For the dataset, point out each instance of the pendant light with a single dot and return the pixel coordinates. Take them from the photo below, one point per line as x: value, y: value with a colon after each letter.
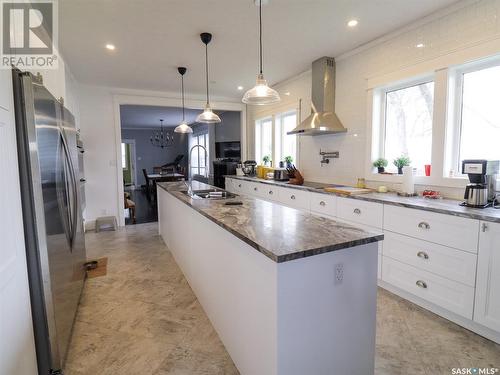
x: 261, y: 93
x: 207, y: 116
x: 183, y: 127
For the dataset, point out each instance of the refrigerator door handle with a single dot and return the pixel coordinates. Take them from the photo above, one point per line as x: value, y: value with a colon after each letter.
x: 74, y: 199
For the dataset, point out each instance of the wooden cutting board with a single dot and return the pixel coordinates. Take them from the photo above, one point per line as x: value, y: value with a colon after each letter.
x: 347, y: 190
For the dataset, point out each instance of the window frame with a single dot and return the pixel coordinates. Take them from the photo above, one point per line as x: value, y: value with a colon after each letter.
x: 379, y: 114
x: 276, y: 150
x: 455, y: 103
x: 206, y: 141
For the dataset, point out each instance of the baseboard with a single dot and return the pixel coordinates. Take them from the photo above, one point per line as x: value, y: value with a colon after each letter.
x: 457, y: 319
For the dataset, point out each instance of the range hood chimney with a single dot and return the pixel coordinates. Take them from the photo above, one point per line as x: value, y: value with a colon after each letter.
x: 322, y: 119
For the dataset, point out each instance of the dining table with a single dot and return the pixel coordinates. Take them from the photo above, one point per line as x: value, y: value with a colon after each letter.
x: 165, y: 177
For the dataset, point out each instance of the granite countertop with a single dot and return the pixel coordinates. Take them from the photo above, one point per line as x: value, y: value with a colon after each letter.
x: 281, y: 233
x: 444, y: 206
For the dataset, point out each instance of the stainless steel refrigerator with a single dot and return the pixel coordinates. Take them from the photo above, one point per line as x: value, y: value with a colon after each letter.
x: 53, y: 225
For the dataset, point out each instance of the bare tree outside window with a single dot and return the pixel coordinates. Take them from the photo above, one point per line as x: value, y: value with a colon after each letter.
x: 408, y: 124
x: 480, y: 122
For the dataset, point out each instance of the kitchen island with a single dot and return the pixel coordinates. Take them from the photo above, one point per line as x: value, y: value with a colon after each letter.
x: 287, y: 292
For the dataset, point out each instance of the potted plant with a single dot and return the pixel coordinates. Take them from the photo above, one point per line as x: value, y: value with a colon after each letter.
x: 266, y: 159
x: 288, y: 161
x: 380, y: 164
x: 401, y: 162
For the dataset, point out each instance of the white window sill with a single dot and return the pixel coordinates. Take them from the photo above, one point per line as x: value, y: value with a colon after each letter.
x: 457, y: 182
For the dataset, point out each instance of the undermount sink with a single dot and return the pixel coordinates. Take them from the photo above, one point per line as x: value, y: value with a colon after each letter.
x: 212, y: 194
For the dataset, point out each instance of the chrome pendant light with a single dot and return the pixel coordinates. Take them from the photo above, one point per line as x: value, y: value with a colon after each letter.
x: 261, y: 93
x: 207, y: 116
x: 183, y: 127
x: 162, y: 138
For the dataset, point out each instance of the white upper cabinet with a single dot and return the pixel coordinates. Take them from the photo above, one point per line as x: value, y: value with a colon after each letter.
x: 487, y: 308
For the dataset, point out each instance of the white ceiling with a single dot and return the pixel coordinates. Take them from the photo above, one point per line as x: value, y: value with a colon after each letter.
x: 153, y: 37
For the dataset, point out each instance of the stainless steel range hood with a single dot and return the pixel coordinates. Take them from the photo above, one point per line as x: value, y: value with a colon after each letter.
x: 323, y: 119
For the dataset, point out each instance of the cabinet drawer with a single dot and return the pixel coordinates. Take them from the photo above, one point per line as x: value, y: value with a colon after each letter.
x: 445, y: 293
x: 444, y: 261
x: 253, y: 188
x: 323, y: 204
x: 361, y: 212
x: 269, y: 192
x: 457, y: 232
x: 295, y: 198
x: 237, y: 186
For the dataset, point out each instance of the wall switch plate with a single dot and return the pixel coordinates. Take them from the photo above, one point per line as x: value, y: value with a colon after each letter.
x: 339, y: 273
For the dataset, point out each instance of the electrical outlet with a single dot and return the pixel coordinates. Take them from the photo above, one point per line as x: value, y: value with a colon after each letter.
x: 339, y: 273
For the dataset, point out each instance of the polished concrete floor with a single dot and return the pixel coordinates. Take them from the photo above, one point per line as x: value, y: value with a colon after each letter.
x: 143, y: 318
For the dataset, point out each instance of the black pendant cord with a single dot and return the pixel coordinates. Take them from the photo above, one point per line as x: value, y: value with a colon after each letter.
x: 182, y: 88
x: 206, y: 70
x: 260, y: 35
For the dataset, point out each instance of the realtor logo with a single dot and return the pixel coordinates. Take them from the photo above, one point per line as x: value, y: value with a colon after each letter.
x: 29, y: 33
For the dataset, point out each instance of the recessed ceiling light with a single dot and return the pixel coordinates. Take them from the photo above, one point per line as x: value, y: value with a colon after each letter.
x: 111, y: 47
x: 240, y: 88
x: 352, y: 23
x: 287, y: 93
x: 420, y: 45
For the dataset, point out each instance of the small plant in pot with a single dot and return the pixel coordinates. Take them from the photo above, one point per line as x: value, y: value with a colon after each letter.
x: 288, y: 161
x: 266, y: 159
x: 380, y: 164
x: 401, y: 162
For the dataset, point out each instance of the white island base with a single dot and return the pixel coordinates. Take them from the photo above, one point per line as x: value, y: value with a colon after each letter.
x: 289, y: 318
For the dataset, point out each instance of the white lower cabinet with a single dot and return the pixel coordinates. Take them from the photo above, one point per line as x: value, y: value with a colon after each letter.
x: 432, y: 256
x: 487, y: 306
x: 443, y: 292
x: 323, y: 204
x: 362, y: 212
x: 295, y: 198
x: 453, y: 264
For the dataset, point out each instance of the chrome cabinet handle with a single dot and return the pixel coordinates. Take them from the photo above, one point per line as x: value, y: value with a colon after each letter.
x: 421, y: 284
x: 423, y: 254
x: 239, y: 185
x: 357, y: 211
x: 292, y: 197
x: 255, y: 188
x: 270, y: 192
x: 322, y: 203
x: 424, y: 225
x: 484, y: 227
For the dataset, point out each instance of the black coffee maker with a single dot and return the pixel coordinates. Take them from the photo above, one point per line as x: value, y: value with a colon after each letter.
x: 480, y: 192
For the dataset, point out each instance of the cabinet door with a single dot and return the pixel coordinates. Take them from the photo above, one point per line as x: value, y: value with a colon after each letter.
x: 487, y: 308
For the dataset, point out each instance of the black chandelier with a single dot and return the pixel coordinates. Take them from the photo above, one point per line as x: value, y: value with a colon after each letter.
x: 161, y: 138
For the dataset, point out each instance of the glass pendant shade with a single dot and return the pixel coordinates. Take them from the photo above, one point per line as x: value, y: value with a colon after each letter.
x: 261, y: 93
x: 183, y: 127
x: 208, y: 116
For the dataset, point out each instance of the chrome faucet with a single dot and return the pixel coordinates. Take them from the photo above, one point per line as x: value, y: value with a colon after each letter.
x: 190, y: 184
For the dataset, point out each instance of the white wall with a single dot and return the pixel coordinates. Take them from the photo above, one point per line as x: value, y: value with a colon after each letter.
x: 457, y: 32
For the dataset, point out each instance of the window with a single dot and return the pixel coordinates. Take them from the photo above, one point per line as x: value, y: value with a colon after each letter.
x: 124, y: 156
x: 271, y: 137
x: 263, y: 139
x: 198, y: 156
x: 406, y: 126
x: 480, y: 115
x: 286, y: 145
